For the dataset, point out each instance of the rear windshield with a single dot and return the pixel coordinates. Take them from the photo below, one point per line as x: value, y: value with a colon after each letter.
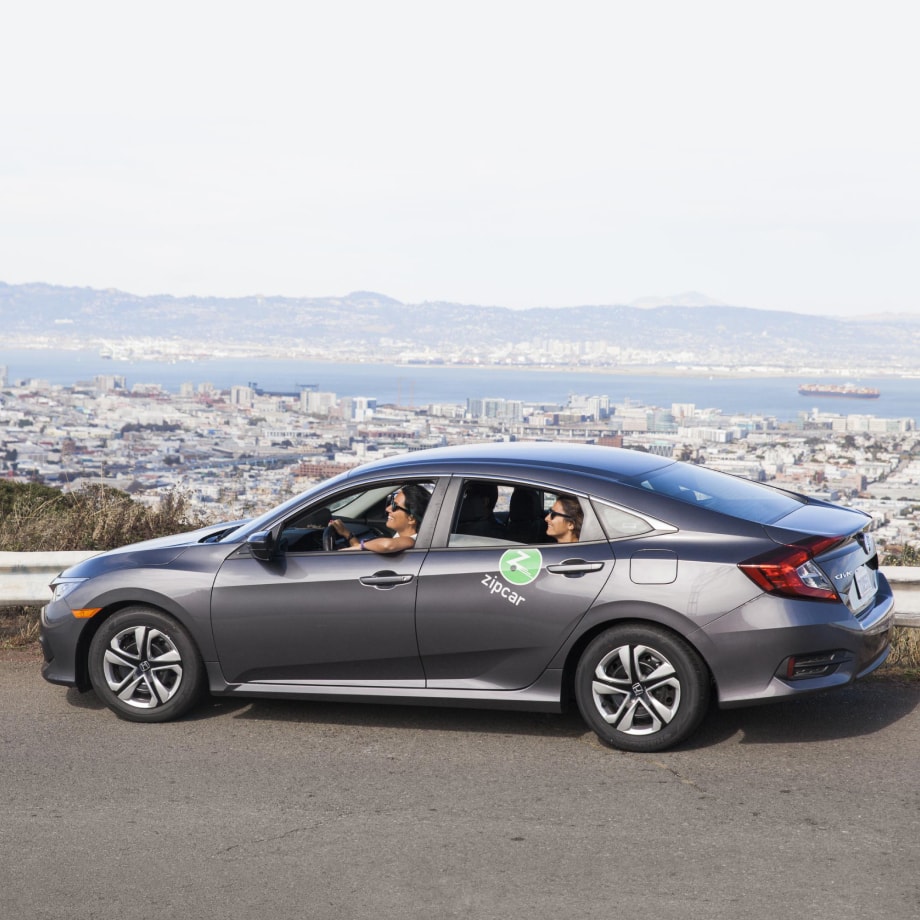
x: 705, y: 488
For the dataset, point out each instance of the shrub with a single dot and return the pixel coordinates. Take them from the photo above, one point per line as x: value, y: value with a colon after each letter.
x: 908, y: 554
x: 37, y: 518
x: 905, y: 650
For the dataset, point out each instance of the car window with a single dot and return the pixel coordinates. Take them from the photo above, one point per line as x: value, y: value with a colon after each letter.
x: 619, y: 524
x: 493, y: 512
x: 481, y: 515
x: 363, y: 510
x: 715, y: 491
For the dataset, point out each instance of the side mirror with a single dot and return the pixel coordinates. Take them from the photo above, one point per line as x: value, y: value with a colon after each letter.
x: 262, y: 545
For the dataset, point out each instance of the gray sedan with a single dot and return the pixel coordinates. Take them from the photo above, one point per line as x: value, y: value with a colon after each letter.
x: 503, y: 575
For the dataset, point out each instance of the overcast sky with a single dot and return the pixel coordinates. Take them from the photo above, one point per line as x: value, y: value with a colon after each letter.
x: 520, y: 154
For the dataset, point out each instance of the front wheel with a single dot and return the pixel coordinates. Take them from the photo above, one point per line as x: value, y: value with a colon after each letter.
x: 144, y: 666
x: 641, y: 688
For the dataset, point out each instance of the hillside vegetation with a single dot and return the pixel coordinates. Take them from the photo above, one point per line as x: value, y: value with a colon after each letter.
x: 39, y: 518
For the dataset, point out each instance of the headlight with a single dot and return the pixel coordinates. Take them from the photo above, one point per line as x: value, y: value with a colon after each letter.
x: 61, y: 587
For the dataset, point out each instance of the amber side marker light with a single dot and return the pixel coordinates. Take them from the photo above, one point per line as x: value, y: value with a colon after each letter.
x: 86, y: 612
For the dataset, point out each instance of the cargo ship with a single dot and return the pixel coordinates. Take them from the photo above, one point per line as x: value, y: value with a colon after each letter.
x: 842, y: 390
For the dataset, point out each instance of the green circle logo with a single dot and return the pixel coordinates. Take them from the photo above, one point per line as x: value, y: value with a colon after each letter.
x: 520, y: 566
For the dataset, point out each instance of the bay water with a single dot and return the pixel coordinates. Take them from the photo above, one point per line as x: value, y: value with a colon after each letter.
x: 419, y: 385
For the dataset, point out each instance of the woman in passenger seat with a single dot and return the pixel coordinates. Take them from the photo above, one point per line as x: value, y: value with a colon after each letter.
x: 564, y: 519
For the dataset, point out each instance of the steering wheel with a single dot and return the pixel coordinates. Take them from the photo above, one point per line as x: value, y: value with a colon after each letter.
x: 330, y: 538
x: 333, y: 540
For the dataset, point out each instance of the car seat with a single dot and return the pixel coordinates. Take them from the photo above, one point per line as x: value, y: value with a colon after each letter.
x: 526, y: 518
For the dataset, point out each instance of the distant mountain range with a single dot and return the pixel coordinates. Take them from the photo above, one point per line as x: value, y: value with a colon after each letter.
x: 687, y: 299
x: 695, y: 330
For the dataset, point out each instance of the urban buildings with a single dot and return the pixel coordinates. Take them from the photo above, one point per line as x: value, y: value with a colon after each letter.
x: 238, y: 451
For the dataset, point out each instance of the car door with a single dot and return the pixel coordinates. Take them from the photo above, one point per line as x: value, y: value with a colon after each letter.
x: 314, y: 617
x: 493, y: 613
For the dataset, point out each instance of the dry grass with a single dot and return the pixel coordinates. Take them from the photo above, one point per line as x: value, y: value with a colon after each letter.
x: 905, y: 647
x: 37, y: 518
x: 904, y: 660
x: 18, y: 627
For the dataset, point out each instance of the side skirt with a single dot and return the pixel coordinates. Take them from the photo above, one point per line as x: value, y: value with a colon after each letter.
x: 544, y: 695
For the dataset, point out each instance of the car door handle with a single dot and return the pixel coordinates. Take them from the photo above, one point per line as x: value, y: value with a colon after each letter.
x: 574, y: 567
x: 385, y: 580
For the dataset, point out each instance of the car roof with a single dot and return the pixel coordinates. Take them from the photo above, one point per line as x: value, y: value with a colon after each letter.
x: 592, y: 459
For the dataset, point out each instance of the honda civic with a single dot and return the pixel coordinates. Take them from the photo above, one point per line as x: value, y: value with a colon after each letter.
x: 512, y: 575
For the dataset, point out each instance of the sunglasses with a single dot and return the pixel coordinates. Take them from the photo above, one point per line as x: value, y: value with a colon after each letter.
x: 391, y: 503
x: 552, y: 515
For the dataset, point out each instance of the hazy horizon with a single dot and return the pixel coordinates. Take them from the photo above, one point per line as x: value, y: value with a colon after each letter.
x: 640, y: 303
x: 513, y: 154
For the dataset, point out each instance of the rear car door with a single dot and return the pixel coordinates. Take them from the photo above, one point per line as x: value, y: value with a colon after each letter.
x: 492, y: 613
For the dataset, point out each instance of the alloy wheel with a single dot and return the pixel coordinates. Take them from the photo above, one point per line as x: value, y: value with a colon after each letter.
x: 142, y: 667
x: 636, y: 689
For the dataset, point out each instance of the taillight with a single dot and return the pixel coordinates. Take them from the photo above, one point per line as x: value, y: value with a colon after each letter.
x: 792, y: 571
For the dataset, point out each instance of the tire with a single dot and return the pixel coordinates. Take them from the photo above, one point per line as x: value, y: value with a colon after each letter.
x: 641, y: 688
x: 144, y: 666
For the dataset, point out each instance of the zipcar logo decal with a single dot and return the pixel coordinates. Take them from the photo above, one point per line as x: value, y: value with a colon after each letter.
x: 495, y: 586
x: 520, y: 566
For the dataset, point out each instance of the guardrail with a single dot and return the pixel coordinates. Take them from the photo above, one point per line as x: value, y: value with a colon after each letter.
x: 24, y: 579
x: 905, y: 582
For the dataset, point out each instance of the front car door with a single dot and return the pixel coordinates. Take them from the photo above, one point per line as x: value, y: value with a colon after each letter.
x: 311, y: 616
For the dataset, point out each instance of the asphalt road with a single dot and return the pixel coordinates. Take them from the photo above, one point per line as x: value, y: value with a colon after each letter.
x: 302, y: 810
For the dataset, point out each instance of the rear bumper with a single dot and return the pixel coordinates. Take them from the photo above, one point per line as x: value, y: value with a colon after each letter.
x: 756, y: 649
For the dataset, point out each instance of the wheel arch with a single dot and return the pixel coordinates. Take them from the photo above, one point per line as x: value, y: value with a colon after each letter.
x: 161, y: 605
x: 672, y: 623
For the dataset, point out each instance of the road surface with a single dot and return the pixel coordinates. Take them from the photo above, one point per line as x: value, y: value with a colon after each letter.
x: 306, y: 810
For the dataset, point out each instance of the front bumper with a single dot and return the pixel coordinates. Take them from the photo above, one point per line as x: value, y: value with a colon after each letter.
x: 63, y: 638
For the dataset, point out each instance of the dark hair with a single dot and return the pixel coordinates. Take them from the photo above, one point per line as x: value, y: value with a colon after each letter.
x: 417, y: 498
x: 571, y: 507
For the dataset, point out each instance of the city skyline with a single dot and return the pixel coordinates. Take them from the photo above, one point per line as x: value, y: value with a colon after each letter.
x: 233, y: 451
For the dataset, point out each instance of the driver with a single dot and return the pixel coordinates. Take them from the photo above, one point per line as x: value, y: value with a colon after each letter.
x: 405, y: 510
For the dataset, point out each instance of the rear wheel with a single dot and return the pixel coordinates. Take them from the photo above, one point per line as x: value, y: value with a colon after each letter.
x: 144, y: 666
x: 641, y: 688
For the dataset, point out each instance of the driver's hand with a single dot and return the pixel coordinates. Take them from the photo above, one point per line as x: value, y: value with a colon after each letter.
x: 340, y: 528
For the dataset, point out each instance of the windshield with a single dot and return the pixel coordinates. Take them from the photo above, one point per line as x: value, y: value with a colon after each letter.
x: 269, y: 517
x: 731, y: 495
